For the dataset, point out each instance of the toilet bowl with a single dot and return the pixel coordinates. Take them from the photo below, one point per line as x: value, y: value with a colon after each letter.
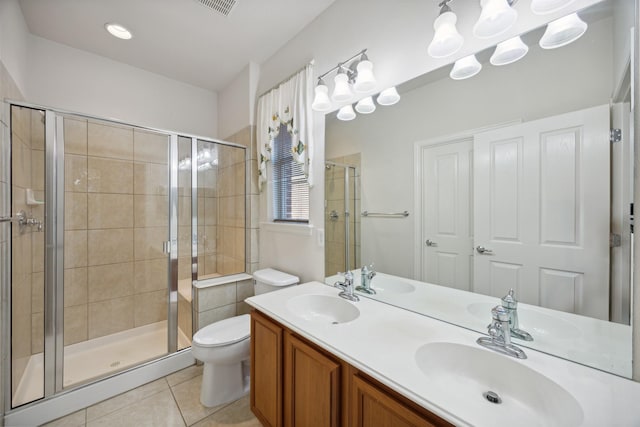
x: 223, y: 347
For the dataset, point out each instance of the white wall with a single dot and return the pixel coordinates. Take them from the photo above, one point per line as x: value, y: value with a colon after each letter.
x: 13, y: 41
x: 397, y: 34
x: 234, y: 101
x: 542, y: 84
x: 63, y: 77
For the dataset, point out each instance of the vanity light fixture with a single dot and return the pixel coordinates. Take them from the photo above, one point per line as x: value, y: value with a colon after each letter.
x: 563, y: 31
x: 118, y: 31
x: 465, y: 68
x: 321, y: 101
x: 496, y: 18
x: 366, y: 106
x: 341, y: 90
x: 388, y: 96
x: 446, y: 40
x: 543, y: 7
x: 509, y: 51
x: 346, y: 113
x: 354, y: 74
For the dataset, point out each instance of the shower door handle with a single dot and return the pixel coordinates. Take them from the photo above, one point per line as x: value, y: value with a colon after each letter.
x: 6, y: 219
x: 166, y: 247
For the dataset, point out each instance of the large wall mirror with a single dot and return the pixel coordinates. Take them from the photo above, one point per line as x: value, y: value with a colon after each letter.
x: 510, y: 181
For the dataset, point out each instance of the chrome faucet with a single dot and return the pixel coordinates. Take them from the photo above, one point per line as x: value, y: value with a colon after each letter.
x: 367, y: 274
x: 510, y: 304
x: 347, y: 287
x: 499, y: 338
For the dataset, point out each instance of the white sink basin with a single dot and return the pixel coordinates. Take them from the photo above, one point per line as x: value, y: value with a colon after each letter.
x: 323, y: 309
x: 464, y: 374
x: 392, y: 286
x: 538, y: 324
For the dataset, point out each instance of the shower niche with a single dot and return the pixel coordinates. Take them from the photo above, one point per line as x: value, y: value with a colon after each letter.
x: 112, y: 224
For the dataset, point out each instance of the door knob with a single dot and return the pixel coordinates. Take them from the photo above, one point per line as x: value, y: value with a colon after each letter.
x: 483, y: 250
x: 430, y: 243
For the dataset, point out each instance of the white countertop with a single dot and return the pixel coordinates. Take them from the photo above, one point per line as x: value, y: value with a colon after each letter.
x: 383, y: 341
x: 593, y: 342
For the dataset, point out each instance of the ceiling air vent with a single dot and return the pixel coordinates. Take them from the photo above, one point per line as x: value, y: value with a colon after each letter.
x: 223, y: 7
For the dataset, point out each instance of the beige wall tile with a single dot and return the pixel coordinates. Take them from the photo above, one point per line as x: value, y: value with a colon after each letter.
x: 110, y: 176
x: 207, y: 265
x: 151, y: 275
x: 37, y: 130
x: 21, y: 335
x: 151, y: 178
x: 110, y: 141
x: 210, y: 211
x: 110, y: 246
x: 21, y: 122
x: 184, y: 211
x: 75, y: 211
x: 75, y: 324
x: 75, y: 173
x: 244, y: 290
x: 37, y: 333
x: 150, y: 147
x: 110, y: 210
x: 110, y: 281
x: 37, y: 170
x: 210, y: 316
x: 209, y: 239
x: 216, y: 296
x: 37, y: 292
x: 150, y: 307
x: 75, y: 136
x: 110, y: 316
x: 151, y: 211
x: 184, y: 268
x: 242, y: 308
x: 148, y: 242
x: 75, y: 286
x: 20, y: 163
x: 37, y: 250
x: 75, y: 248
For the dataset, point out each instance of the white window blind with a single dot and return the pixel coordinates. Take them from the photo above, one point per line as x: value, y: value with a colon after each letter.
x: 290, y: 188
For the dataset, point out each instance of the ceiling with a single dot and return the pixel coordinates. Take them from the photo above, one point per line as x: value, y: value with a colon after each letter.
x: 179, y: 39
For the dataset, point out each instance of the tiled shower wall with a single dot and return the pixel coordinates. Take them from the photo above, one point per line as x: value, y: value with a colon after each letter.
x: 116, y: 218
x: 222, y: 301
x: 335, y: 229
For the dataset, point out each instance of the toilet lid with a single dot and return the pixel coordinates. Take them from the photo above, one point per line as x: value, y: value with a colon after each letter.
x: 224, y: 332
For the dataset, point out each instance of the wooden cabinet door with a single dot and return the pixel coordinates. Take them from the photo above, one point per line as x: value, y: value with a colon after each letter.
x: 371, y: 406
x: 266, y: 370
x: 312, y: 387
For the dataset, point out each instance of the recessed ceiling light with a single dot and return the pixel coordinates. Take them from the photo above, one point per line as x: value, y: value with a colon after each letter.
x: 118, y: 31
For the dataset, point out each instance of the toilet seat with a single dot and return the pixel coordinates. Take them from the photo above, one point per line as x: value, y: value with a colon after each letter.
x: 225, y: 332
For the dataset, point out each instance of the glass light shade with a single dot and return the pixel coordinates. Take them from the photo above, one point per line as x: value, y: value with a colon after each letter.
x: 366, y: 106
x: 342, y: 90
x: 388, y: 96
x: 509, y: 51
x: 465, y: 68
x: 496, y: 18
x: 543, y: 7
x: 365, y: 81
x: 346, y: 113
x: 321, y: 101
x: 563, y: 31
x: 446, y: 41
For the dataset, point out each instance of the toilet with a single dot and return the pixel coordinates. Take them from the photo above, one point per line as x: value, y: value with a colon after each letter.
x: 223, y: 346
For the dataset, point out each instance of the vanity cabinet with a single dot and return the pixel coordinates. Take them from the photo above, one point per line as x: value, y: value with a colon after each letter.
x: 294, y: 383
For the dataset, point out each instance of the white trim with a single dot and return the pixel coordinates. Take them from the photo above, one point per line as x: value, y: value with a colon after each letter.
x: 68, y: 402
x: 284, y: 227
x: 418, y: 148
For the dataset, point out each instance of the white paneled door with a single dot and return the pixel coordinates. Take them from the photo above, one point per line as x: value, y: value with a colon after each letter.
x: 448, y: 221
x: 541, y: 214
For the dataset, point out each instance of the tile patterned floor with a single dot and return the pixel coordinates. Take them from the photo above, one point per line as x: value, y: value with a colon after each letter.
x: 170, y: 401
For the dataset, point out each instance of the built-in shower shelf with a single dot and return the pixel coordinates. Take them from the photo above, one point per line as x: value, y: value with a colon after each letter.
x: 31, y: 200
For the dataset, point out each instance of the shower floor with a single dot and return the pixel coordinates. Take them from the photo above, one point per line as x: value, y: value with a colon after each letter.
x: 98, y: 357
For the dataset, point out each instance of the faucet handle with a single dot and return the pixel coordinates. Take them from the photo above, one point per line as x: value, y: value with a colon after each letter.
x: 509, y: 301
x: 500, y: 314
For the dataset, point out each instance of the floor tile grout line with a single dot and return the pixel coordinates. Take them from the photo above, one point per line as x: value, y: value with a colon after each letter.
x: 177, y: 404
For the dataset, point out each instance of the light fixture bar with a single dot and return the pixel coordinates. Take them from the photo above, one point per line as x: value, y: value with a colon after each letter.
x: 341, y: 64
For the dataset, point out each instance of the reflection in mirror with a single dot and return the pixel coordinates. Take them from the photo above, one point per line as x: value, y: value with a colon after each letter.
x: 511, y: 182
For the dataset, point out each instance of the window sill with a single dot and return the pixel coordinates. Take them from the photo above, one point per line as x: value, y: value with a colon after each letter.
x: 282, y: 227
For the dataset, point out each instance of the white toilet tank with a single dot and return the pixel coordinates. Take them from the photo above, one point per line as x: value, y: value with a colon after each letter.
x: 268, y: 279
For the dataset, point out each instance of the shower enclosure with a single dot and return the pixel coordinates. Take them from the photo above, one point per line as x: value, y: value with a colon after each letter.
x: 110, y: 226
x: 342, y: 215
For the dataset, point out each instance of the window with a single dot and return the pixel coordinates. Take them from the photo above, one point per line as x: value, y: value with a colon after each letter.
x: 290, y: 189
